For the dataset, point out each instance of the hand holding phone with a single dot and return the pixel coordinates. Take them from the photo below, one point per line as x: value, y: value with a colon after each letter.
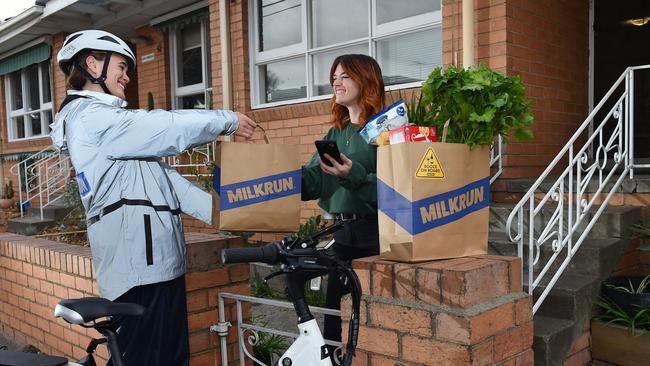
x: 330, y: 148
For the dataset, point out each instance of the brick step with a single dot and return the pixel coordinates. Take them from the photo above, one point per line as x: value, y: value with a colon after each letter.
x: 615, y: 221
x: 552, y: 339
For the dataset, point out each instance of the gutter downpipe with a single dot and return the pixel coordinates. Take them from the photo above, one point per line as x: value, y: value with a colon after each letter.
x: 226, y: 77
x: 226, y: 70
x: 468, y: 33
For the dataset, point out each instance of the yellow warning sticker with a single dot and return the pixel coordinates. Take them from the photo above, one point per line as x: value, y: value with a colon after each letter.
x: 430, y: 167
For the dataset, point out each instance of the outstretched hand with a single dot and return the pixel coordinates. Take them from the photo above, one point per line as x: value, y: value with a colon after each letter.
x: 246, y: 126
x: 337, y: 170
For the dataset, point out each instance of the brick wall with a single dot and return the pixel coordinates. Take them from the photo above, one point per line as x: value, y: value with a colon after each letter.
x: 153, y: 76
x: 450, y: 312
x: 37, y: 273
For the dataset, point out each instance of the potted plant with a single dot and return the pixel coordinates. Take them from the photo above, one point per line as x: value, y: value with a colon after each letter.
x: 7, y: 200
x: 620, y: 330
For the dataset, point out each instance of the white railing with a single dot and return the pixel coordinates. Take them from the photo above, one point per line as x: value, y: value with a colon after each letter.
x: 40, y: 177
x: 562, y: 217
x: 249, y: 334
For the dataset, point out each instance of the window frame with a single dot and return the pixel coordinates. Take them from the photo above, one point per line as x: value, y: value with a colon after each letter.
x: 205, y: 86
x: 417, y: 23
x: 25, y: 112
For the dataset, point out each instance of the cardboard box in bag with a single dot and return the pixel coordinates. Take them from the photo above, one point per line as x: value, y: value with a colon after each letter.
x: 257, y: 187
x: 433, y: 200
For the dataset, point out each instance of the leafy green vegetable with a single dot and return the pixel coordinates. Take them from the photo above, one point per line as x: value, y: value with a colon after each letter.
x: 480, y: 104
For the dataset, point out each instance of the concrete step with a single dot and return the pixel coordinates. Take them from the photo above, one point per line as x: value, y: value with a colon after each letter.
x: 56, y: 211
x: 571, y: 296
x: 615, y: 221
x: 639, y: 184
x: 552, y: 339
x: 28, y: 225
x: 596, y: 257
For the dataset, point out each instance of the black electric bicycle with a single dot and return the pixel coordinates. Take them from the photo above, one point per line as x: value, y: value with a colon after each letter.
x: 302, y: 261
x: 101, y: 314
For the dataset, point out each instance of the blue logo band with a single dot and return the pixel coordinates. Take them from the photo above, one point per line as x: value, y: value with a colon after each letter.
x: 257, y: 190
x: 428, y: 213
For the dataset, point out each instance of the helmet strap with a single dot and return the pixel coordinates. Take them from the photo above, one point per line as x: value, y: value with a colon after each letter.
x: 101, y: 80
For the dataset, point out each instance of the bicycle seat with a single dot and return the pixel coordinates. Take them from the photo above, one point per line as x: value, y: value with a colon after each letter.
x: 87, y: 309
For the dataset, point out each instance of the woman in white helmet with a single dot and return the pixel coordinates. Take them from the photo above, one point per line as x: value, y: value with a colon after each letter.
x: 132, y: 199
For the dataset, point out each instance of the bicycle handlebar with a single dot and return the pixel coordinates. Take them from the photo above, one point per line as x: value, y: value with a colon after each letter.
x: 267, y: 254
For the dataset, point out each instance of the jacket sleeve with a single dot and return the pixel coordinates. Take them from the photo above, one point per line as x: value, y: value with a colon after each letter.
x: 312, y: 179
x: 126, y: 134
x: 193, y: 200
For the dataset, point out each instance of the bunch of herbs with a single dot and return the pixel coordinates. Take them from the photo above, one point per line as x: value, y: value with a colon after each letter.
x: 480, y: 104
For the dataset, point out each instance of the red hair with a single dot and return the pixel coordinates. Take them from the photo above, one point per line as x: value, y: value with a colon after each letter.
x: 365, y: 72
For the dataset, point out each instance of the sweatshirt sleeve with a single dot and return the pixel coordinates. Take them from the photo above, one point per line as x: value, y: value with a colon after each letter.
x: 312, y: 179
x: 158, y: 133
x: 362, y: 183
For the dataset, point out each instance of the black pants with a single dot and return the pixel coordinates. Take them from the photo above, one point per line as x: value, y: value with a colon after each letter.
x: 357, y: 239
x: 160, y: 336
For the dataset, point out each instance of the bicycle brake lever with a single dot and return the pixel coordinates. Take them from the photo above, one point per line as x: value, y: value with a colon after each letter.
x: 274, y: 274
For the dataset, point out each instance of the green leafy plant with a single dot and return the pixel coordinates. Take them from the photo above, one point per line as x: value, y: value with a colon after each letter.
x: 640, y: 289
x: 642, y: 231
x: 263, y: 290
x: 479, y: 103
x: 269, y: 346
x: 610, y: 312
x: 8, y: 191
x: 310, y: 227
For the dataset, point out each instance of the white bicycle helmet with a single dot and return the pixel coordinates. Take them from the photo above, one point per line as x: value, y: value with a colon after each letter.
x: 92, y: 40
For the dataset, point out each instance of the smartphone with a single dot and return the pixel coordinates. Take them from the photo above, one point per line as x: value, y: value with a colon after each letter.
x: 328, y: 147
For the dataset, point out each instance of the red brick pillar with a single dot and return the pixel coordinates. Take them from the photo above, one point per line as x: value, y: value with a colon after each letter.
x: 207, y: 277
x: 463, y: 311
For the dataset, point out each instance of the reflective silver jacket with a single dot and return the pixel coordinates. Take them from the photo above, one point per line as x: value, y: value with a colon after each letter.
x: 132, y: 199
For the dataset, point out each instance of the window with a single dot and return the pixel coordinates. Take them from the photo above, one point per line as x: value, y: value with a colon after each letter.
x: 190, y: 61
x: 29, y: 102
x: 295, y: 41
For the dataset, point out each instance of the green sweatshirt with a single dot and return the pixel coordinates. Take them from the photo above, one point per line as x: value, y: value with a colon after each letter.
x: 358, y: 192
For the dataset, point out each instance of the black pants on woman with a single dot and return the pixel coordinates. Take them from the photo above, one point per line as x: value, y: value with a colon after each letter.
x: 160, y: 336
x: 357, y: 239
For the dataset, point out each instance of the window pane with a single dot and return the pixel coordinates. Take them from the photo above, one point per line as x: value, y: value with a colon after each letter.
x: 410, y: 57
x: 190, y: 56
x: 390, y: 10
x: 323, y: 62
x: 195, y: 101
x: 284, y: 80
x: 45, y: 82
x: 280, y: 23
x: 32, y: 81
x: 47, y: 119
x: 35, y: 121
x: 336, y: 21
x: 16, y: 91
x: 19, y: 127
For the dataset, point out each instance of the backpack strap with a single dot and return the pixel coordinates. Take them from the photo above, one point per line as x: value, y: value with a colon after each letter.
x: 69, y: 98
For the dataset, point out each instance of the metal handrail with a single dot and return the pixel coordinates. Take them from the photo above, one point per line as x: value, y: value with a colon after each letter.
x: 43, y: 178
x: 573, y: 210
x: 223, y: 327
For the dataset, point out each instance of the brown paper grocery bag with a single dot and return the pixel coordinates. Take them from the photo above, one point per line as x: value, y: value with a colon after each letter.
x: 257, y: 187
x: 433, y: 200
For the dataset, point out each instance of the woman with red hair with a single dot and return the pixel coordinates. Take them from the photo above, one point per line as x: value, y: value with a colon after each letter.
x: 348, y: 190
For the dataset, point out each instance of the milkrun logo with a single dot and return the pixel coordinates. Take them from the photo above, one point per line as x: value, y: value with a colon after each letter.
x: 428, y: 213
x: 257, y: 190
